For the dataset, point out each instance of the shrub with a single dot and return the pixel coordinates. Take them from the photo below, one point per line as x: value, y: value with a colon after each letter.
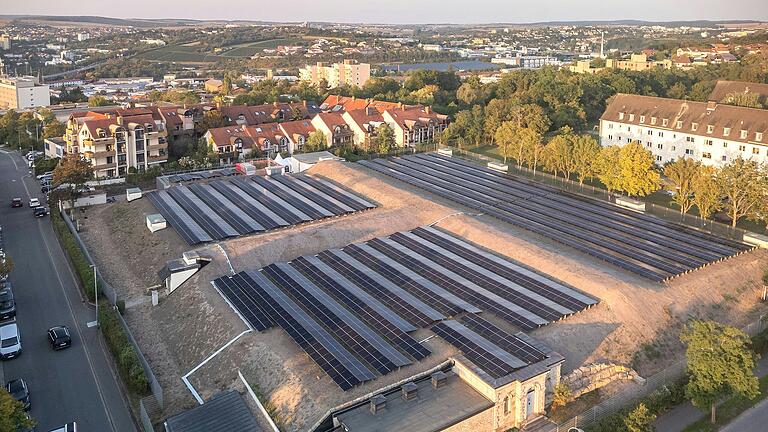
x: 76, y: 256
x: 562, y: 395
x: 125, y: 356
x: 658, y: 402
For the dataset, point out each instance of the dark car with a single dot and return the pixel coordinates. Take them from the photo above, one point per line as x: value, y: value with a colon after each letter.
x: 40, y: 211
x: 59, y: 337
x: 19, y: 391
x: 46, y: 188
x: 17, y: 202
x: 7, y: 302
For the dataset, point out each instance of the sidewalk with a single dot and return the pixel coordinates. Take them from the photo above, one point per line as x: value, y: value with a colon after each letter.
x: 681, y: 416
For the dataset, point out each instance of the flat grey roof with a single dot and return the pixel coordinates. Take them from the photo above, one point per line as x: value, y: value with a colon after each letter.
x: 224, y: 412
x: 432, y: 410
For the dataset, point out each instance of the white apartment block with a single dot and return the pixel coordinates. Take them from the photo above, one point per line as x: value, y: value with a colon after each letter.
x: 711, y: 133
x: 348, y: 73
x: 23, y: 92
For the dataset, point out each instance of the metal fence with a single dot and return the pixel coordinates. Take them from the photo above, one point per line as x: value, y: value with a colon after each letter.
x: 111, y: 294
x: 663, y: 212
x: 144, y: 417
x: 653, y: 383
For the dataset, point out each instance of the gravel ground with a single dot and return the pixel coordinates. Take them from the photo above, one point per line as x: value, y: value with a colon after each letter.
x: 636, y: 323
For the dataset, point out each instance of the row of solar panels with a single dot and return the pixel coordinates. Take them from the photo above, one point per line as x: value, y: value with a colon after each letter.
x: 351, y: 309
x: 643, y: 244
x: 203, y: 212
x: 200, y: 175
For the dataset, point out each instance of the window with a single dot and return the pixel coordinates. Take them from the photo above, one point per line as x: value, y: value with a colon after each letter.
x: 674, y: 148
x: 653, y: 120
x: 658, y: 158
x: 661, y: 134
x: 610, y: 137
x: 758, y: 136
x: 631, y: 117
x: 110, y: 159
x: 694, y: 126
x: 629, y: 140
x: 665, y: 122
x: 621, y: 116
x: 710, y: 128
x: 660, y: 146
x: 610, y: 125
x: 140, y: 157
x: 755, y: 151
x: 706, y: 155
x: 679, y: 125
x: 726, y: 131
x: 743, y: 134
x: 690, y: 139
x: 648, y: 144
x: 725, y: 145
x: 629, y: 128
x: 689, y: 152
x: 742, y: 148
x: 650, y: 132
x: 724, y: 158
x: 642, y: 119
x: 708, y: 142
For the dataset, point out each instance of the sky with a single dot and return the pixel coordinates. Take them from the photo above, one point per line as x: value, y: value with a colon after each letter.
x: 402, y: 11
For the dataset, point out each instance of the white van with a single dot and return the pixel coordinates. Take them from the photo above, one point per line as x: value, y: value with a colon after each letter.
x: 10, y: 341
x: 69, y: 427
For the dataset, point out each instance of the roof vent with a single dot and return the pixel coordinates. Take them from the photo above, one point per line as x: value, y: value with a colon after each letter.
x: 439, y: 379
x: 410, y: 391
x: 711, y: 105
x: 378, y: 403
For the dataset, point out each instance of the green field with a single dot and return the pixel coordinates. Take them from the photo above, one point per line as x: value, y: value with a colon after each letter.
x: 181, y: 54
x: 252, y: 48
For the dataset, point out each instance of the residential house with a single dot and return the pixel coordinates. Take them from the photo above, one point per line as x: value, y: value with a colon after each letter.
x: 337, y: 132
x: 414, y: 125
x: 363, y: 123
x: 213, y: 85
x: 709, y: 132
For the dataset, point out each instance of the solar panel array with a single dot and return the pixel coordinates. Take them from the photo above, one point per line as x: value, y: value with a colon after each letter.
x: 651, y: 247
x: 484, y: 349
x: 369, y: 296
x: 220, y: 209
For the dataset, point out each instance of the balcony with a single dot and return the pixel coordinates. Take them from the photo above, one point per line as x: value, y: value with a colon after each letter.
x: 157, y: 146
x: 157, y: 159
x: 104, y: 166
x: 103, y: 154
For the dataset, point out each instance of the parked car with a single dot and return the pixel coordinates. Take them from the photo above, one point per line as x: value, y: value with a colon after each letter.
x: 19, y: 391
x: 10, y: 341
x: 7, y: 302
x: 45, y: 174
x: 17, y: 202
x: 40, y: 211
x: 59, y: 337
x: 46, y: 188
x: 34, y: 202
x: 69, y: 427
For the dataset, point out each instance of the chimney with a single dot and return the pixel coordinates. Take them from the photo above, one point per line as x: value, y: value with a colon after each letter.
x: 410, y: 391
x: 400, y: 105
x: 378, y: 403
x: 218, y: 105
x: 120, y: 120
x: 427, y: 109
x: 353, y: 98
x: 304, y: 103
x: 439, y: 379
x: 711, y: 105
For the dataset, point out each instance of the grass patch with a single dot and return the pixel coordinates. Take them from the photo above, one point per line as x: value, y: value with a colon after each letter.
x: 728, y: 410
x: 268, y: 406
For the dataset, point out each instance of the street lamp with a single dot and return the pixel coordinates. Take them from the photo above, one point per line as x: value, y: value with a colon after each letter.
x: 96, y: 293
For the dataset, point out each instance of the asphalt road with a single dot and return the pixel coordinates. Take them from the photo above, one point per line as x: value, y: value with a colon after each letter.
x: 754, y: 419
x: 75, y: 384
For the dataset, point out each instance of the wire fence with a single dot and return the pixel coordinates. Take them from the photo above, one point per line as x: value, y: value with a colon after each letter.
x: 663, y: 212
x: 658, y: 381
x: 111, y: 294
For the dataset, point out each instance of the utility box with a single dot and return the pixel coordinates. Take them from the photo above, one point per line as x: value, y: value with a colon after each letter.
x: 156, y: 222
x: 246, y: 168
x: 132, y: 194
x: 498, y: 167
x: 758, y: 240
x: 631, y: 203
x: 445, y: 152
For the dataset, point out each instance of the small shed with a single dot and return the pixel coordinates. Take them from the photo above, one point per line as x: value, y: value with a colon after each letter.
x: 156, y: 222
x: 224, y: 412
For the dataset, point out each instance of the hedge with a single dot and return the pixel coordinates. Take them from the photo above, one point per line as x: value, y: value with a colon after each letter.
x: 122, y: 350
x: 76, y: 256
x: 658, y: 402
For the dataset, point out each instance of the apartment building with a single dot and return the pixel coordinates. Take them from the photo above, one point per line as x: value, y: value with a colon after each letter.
x: 711, y: 133
x: 115, y: 141
x: 5, y: 42
x: 23, y: 92
x: 638, y: 62
x: 347, y: 73
x: 415, y: 125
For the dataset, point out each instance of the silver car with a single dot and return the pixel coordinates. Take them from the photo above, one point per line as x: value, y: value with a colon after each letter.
x: 10, y: 341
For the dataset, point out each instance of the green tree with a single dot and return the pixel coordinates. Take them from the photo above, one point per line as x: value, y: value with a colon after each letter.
x: 558, y: 153
x: 54, y: 129
x: 98, y: 100
x: 677, y: 91
x: 608, y: 168
x: 12, y: 415
x: 211, y: 120
x: 467, y: 94
x: 562, y: 395
x: 640, y: 420
x: 638, y: 176
x: 315, y: 142
x: 720, y: 364
x: 467, y: 128
x: 681, y: 174
x: 508, y: 140
x: 73, y: 171
x: 707, y: 195
x: 384, y: 139
x: 743, y: 183
x: 586, y: 157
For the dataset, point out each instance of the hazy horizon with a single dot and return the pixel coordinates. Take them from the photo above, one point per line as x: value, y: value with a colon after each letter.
x: 409, y: 12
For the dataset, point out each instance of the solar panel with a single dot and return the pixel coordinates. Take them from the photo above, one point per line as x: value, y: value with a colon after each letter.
x: 330, y: 355
x: 256, y: 210
x: 243, y: 303
x: 187, y: 228
x: 340, y: 194
x: 319, y: 198
x: 297, y: 201
x: 204, y: 215
x: 237, y: 218
x: 347, y: 328
x: 485, y: 354
x: 508, y: 342
x: 376, y: 315
x: 274, y: 202
x: 401, y: 301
